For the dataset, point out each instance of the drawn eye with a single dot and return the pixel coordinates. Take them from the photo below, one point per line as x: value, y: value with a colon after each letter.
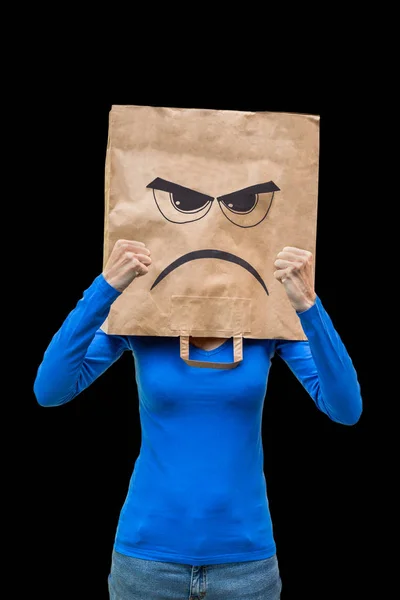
x: 179, y: 204
x: 187, y: 202
x: 242, y: 203
x: 248, y: 207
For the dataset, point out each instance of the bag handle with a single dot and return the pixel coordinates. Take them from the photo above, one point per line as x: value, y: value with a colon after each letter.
x: 237, y: 355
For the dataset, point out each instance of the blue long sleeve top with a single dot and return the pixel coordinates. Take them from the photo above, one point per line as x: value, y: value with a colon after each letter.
x: 201, y: 428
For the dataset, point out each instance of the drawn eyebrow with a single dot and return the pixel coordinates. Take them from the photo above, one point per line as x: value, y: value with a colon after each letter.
x: 260, y: 188
x: 169, y: 186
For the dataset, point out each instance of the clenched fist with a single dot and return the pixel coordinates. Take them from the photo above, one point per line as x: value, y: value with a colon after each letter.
x: 127, y: 261
x: 295, y: 272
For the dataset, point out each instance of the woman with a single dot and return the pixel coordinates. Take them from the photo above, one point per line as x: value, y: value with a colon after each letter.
x: 196, y: 521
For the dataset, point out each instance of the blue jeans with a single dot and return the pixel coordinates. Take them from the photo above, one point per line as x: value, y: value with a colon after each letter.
x: 138, y: 579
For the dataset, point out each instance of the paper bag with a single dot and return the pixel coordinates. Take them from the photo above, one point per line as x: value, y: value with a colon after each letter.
x: 215, y: 195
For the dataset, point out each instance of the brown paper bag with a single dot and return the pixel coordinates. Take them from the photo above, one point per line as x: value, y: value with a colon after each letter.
x: 215, y: 195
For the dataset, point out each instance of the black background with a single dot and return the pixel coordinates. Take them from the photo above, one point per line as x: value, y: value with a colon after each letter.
x: 322, y: 477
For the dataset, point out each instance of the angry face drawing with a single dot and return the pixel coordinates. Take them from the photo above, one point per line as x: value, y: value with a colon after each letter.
x: 244, y: 208
x: 215, y: 195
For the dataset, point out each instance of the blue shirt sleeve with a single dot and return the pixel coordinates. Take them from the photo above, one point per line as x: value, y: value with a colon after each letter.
x: 324, y: 367
x: 80, y: 351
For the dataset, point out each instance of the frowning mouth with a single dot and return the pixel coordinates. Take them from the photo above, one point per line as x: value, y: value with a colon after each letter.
x: 219, y: 254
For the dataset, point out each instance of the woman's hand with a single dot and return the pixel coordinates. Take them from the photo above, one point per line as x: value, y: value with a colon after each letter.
x: 295, y: 272
x: 127, y: 261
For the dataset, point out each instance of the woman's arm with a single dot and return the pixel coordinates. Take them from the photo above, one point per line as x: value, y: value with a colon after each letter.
x: 79, y: 352
x: 323, y: 366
